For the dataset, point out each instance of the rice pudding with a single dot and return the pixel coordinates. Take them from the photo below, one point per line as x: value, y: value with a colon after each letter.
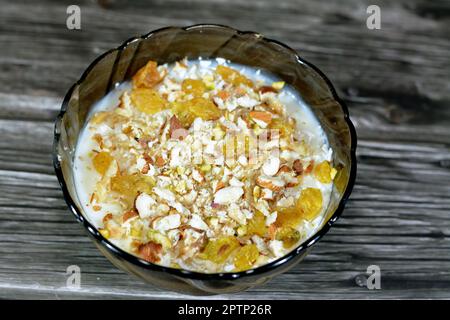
x: 204, y: 165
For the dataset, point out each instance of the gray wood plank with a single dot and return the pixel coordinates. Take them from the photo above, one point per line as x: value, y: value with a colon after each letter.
x: 395, y: 81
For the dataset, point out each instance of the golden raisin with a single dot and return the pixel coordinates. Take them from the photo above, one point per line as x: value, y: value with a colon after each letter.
x: 310, y: 203
x: 147, y: 100
x: 246, y: 257
x: 129, y: 186
x: 148, y: 76
x: 204, y: 109
x: 323, y: 172
x: 257, y: 225
x: 192, y: 86
x: 288, y: 217
x: 102, y: 161
x: 181, y: 110
x: 232, y: 76
x: 307, y: 206
x: 288, y: 235
x: 219, y: 250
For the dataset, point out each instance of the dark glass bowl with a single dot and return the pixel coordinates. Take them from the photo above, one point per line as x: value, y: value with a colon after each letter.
x: 168, y: 45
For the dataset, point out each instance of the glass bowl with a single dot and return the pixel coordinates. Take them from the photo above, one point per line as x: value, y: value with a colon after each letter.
x: 168, y: 45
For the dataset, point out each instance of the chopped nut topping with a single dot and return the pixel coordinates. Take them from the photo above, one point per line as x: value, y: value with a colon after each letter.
x: 228, y: 195
x: 297, y: 166
x: 200, y: 165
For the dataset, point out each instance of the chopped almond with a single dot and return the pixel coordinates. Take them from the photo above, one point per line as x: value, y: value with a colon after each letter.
x: 298, y: 167
x: 292, y: 184
x: 145, y: 168
x: 159, y: 161
x: 176, y: 130
x: 222, y: 94
x: 284, y: 168
x: 271, y: 166
x: 150, y: 251
x: 147, y: 158
x: 220, y: 185
x: 272, y: 231
x: 129, y: 214
x: 263, y: 116
x: 97, y: 208
x: 239, y: 92
x: 107, y: 217
x: 310, y: 167
x: 272, y: 183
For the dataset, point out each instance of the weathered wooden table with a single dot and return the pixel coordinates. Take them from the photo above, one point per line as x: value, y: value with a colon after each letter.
x: 395, y: 81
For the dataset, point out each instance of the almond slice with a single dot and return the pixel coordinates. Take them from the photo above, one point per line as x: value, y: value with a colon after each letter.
x: 272, y: 231
x: 271, y: 166
x: 220, y: 185
x: 176, y: 130
x: 310, y: 167
x: 297, y: 166
x: 228, y: 195
x: 150, y: 251
x: 143, y: 203
x: 283, y: 169
x: 107, y: 217
x: 272, y: 183
x: 159, y: 161
x: 261, y: 117
x: 129, y: 214
x: 145, y: 168
x: 222, y: 94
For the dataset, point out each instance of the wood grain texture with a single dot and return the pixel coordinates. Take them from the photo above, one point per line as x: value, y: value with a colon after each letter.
x: 394, y: 80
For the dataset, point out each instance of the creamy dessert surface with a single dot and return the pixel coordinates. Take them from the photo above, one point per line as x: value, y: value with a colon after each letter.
x: 204, y: 165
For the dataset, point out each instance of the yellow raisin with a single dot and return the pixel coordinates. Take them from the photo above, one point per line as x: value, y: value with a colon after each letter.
x: 204, y: 109
x: 288, y: 235
x: 310, y: 203
x: 181, y: 110
x: 219, y: 250
x: 129, y: 186
x: 246, y: 257
x: 322, y: 171
x: 148, y: 76
x: 102, y: 161
x: 307, y: 206
x: 232, y: 76
x: 288, y: 217
x: 257, y: 225
x: 192, y: 86
x: 147, y: 100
